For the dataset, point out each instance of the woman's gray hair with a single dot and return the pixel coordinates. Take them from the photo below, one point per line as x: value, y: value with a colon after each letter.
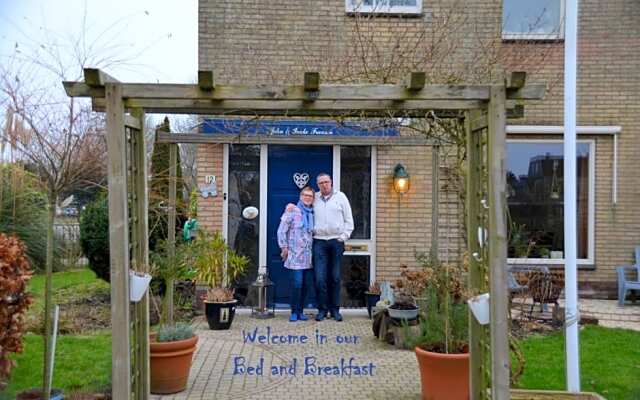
x: 307, y: 189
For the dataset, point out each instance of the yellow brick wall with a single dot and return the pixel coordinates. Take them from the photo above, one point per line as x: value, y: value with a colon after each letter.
x: 402, y: 222
x: 608, y: 87
x: 264, y: 41
x: 209, y: 162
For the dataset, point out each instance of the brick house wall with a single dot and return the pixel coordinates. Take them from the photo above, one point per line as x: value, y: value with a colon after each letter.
x: 268, y: 41
x: 608, y: 94
x: 209, y: 161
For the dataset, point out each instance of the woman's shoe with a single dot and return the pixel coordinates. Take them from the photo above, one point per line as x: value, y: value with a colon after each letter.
x: 302, y: 317
x: 293, y: 317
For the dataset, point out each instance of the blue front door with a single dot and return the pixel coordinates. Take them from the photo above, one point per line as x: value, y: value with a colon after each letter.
x: 284, y: 163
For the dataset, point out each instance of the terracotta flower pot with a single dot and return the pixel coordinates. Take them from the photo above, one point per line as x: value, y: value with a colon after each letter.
x: 443, y: 376
x: 170, y: 364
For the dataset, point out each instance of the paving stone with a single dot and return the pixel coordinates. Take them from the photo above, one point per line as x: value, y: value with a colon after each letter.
x: 395, y: 372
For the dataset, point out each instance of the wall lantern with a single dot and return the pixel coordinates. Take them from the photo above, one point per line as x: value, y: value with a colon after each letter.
x: 400, y: 179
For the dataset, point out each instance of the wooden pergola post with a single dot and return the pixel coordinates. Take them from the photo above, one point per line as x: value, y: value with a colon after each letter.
x: 141, y: 256
x: 118, y: 241
x: 477, y: 272
x: 496, y: 147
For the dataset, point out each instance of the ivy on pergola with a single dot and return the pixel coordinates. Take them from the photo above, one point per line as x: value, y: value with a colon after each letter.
x: 483, y: 108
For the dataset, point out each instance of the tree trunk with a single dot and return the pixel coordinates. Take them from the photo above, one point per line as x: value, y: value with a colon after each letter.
x: 48, y: 294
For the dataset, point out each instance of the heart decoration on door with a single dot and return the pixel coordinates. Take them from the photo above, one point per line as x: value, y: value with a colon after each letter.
x: 301, y: 179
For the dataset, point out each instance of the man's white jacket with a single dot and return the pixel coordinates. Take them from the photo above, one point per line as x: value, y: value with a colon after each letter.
x: 332, y: 217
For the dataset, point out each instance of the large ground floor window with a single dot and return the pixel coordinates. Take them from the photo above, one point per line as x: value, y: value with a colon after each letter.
x: 535, y: 197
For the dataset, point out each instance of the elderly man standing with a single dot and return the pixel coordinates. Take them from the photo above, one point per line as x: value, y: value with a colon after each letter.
x: 333, y: 224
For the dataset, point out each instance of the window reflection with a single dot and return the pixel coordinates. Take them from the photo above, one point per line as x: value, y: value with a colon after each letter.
x: 355, y: 182
x: 540, y: 17
x: 355, y: 280
x: 535, y: 196
x: 244, y: 191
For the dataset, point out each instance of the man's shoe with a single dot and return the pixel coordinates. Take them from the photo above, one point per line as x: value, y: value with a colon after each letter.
x: 337, y: 316
x: 293, y: 317
x: 302, y: 317
x: 321, y: 315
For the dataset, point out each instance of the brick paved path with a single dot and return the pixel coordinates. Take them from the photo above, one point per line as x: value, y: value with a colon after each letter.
x: 611, y: 315
x: 395, y: 375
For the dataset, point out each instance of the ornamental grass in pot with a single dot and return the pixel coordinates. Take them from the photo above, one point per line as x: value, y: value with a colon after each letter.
x: 171, y: 352
x: 216, y: 265
x: 442, y: 347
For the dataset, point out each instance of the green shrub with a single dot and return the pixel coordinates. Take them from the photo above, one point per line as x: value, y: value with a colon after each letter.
x: 94, y: 236
x: 173, y: 333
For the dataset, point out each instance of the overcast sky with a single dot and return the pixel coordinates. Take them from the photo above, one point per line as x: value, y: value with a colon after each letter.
x: 161, y: 35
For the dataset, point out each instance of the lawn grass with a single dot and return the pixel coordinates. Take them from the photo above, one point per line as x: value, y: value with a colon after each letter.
x: 82, y: 363
x: 76, y: 280
x: 70, y: 288
x: 609, y: 362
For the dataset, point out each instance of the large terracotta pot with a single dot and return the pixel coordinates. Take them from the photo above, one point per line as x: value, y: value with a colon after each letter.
x: 170, y: 364
x: 443, y: 376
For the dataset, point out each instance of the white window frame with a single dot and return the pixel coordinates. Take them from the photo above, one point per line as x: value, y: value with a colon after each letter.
x: 589, y: 261
x: 356, y: 6
x: 559, y: 35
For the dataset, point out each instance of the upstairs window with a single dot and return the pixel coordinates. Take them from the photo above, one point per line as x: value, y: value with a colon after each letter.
x: 384, y: 6
x: 538, y: 20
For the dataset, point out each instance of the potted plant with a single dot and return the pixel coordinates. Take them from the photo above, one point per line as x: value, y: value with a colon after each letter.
x: 441, y: 346
x: 216, y: 265
x: 414, y: 282
x: 403, y: 308
x: 372, y: 297
x: 544, y: 252
x: 171, y: 351
x: 170, y: 267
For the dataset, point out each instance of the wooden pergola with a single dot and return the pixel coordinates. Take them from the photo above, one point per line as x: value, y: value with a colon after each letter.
x: 484, y: 109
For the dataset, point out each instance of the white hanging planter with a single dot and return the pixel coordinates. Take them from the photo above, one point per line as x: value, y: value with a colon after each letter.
x: 138, y: 284
x: 480, y: 307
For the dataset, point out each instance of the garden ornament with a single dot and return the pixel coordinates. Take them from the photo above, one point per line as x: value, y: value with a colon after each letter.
x: 189, y: 229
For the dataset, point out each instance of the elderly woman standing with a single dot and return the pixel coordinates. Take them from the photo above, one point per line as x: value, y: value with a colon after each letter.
x: 295, y: 238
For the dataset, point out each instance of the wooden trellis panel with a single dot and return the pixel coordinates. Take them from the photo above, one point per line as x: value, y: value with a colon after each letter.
x: 476, y: 191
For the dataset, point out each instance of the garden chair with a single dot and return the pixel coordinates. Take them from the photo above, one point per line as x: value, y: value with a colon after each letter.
x: 518, y: 277
x: 545, y: 288
x: 624, y: 283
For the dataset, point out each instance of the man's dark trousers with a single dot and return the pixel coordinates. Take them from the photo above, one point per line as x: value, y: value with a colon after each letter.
x: 327, y: 256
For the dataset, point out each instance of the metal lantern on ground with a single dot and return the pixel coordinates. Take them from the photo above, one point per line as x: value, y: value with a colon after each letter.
x: 264, y: 286
x: 401, y: 181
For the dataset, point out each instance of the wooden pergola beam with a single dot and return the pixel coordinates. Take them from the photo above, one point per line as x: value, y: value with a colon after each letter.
x: 388, y: 108
x: 132, y: 122
x: 311, y: 81
x: 97, y: 78
x: 205, y: 80
x: 204, y: 138
x: 190, y: 92
x: 416, y: 81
